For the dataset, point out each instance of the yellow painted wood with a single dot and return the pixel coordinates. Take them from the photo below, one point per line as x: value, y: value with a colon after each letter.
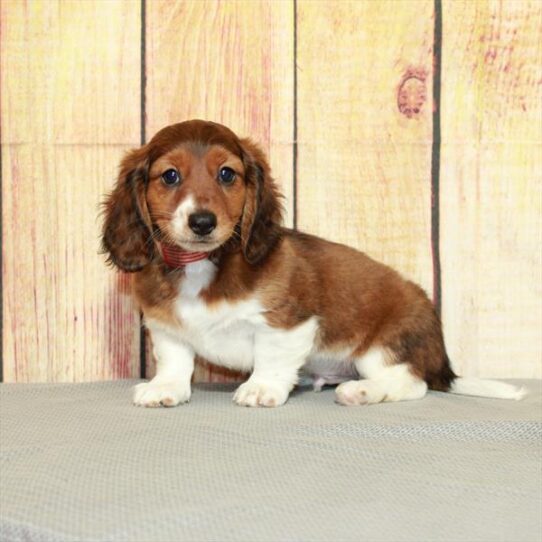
x: 491, y: 187
x: 70, y: 90
x: 70, y: 108
x: 230, y: 62
x: 364, y: 169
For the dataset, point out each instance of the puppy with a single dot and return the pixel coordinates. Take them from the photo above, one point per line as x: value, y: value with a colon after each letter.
x: 196, y: 217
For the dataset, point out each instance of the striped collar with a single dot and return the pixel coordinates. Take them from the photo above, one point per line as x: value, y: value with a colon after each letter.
x: 176, y: 258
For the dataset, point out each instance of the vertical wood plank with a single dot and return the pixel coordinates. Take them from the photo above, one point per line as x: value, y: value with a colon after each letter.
x: 230, y: 62
x: 365, y: 128
x: 70, y: 108
x: 491, y: 187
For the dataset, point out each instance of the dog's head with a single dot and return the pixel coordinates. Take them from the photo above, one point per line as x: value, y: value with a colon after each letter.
x: 195, y: 185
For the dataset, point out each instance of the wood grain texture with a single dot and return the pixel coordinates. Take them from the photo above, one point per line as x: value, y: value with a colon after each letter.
x: 230, y: 62
x: 70, y: 108
x: 364, y: 167
x: 491, y: 187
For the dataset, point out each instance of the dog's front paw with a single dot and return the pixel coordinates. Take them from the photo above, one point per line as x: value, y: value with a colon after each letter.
x: 157, y: 394
x: 268, y: 394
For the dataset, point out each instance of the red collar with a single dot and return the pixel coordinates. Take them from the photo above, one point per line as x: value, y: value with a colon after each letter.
x: 176, y: 257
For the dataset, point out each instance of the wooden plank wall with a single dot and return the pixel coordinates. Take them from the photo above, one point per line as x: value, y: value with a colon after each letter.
x: 364, y: 168
x: 491, y: 186
x: 340, y: 96
x: 66, y: 121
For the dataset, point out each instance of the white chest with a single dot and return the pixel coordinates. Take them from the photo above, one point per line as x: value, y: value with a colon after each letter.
x: 233, y: 334
x: 223, y: 332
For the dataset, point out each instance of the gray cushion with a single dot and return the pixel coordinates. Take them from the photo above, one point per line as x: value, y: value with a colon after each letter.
x: 79, y: 462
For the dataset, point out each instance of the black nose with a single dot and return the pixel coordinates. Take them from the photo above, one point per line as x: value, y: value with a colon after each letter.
x: 202, y: 223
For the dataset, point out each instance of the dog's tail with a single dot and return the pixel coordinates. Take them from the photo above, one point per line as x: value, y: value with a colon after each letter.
x: 447, y: 380
x: 486, y: 388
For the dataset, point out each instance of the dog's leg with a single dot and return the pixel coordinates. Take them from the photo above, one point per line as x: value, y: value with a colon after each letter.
x: 278, y: 356
x: 384, y: 381
x: 175, y: 365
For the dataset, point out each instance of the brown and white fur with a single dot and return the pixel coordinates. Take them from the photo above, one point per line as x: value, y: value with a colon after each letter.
x: 267, y: 299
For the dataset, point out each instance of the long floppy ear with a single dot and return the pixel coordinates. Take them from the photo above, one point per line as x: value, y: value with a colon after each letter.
x: 262, y: 214
x: 127, y: 225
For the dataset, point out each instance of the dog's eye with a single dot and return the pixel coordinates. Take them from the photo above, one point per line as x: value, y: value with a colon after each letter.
x: 226, y: 175
x: 171, y: 177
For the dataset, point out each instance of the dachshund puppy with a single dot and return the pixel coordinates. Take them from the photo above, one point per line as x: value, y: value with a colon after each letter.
x: 196, y: 217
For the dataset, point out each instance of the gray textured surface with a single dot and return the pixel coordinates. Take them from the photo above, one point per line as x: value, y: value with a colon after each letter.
x: 78, y: 462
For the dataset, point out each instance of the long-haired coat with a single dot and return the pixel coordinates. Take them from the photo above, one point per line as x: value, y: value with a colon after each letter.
x: 196, y: 217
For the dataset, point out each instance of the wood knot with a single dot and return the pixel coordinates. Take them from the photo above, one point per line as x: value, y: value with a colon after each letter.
x: 412, y: 92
